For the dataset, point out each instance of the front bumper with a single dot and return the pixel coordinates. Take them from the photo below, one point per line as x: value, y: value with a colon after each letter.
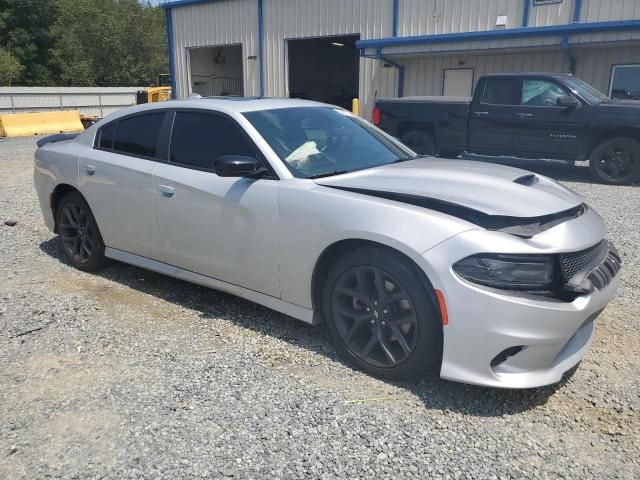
x: 510, y: 339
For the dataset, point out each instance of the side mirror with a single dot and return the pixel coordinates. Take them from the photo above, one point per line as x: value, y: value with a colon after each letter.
x: 235, y: 166
x: 567, y: 101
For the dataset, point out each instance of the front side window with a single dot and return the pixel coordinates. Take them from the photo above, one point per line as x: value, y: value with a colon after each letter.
x: 321, y: 141
x: 502, y: 91
x: 138, y: 135
x: 625, y: 82
x: 541, y: 93
x: 198, y: 139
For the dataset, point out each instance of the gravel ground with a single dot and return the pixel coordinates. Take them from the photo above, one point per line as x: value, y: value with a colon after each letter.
x: 129, y: 374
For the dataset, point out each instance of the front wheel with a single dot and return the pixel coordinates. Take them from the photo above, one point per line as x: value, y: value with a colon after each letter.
x: 616, y: 161
x: 380, y: 315
x: 81, y: 240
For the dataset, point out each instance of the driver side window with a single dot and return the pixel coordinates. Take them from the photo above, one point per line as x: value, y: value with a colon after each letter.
x: 541, y: 93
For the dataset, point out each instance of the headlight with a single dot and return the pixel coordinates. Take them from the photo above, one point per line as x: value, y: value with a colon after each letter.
x: 510, y: 272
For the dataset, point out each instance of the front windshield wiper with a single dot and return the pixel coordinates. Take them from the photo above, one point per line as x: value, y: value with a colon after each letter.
x: 329, y: 174
x: 406, y: 159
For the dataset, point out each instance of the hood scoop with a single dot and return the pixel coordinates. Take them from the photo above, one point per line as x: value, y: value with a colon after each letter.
x: 527, y: 180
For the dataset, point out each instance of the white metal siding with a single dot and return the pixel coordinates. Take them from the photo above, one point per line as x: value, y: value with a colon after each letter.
x: 594, y: 64
x: 223, y: 22
x: 424, y: 76
x: 606, y: 10
x: 428, y: 17
x: 288, y: 19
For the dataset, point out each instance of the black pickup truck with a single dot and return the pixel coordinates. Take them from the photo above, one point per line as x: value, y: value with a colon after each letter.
x: 526, y: 115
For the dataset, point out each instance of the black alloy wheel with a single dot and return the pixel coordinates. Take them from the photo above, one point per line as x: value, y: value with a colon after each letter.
x: 374, y: 316
x: 81, y: 240
x: 381, y: 314
x: 616, y: 161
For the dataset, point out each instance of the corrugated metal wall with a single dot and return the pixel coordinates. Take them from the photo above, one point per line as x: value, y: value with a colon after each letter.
x: 594, y: 64
x: 288, y: 19
x: 605, y: 10
x: 100, y: 101
x: 224, y: 22
x: 424, y: 76
x: 427, y: 17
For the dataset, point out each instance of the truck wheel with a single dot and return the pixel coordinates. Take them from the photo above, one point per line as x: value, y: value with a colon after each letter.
x: 616, y: 161
x: 420, y: 142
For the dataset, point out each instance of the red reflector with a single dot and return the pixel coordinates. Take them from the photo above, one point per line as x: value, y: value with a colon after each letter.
x: 375, y: 116
x: 443, y: 308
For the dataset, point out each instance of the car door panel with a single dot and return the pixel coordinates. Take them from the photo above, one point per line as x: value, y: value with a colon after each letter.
x: 224, y: 228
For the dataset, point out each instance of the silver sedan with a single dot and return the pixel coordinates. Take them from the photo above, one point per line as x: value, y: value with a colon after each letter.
x: 489, y: 274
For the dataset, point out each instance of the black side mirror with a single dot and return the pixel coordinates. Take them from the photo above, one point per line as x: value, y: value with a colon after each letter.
x: 236, y: 166
x: 567, y: 101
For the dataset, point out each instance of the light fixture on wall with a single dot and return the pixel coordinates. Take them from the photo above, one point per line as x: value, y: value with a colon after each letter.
x: 252, y: 57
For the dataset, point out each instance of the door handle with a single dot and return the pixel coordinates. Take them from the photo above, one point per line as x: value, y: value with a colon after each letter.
x: 166, y: 190
x: 89, y: 169
x: 481, y: 114
x: 524, y: 115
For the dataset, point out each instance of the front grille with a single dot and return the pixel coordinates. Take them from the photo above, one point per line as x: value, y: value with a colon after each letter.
x: 592, y: 268
x: 579, y: 262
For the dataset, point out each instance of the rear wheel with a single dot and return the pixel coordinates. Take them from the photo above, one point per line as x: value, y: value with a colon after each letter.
x: 616, y: 161
x: 420, y: 142
x: 380, y: 315
x: 79, y: 234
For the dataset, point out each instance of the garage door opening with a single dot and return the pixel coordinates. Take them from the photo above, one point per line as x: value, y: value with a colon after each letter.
x: 325, y: 69
x: 216, y: 71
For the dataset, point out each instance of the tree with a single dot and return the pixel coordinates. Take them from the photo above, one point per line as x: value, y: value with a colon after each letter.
x: 10, y: 68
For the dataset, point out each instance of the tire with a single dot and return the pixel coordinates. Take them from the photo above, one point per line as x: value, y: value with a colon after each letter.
x: 420, y: 142
x: 80, y: 238
x: 616, y: 161
x: 394, y: 333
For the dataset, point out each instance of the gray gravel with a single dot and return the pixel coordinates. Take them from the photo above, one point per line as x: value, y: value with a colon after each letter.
x: 129, y: 374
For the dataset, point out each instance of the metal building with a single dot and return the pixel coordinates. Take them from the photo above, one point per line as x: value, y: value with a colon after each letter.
x: 332, y: 50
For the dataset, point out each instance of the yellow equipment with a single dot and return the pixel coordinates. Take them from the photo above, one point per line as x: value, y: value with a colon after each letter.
x: 161, y: 93
x: 38, y: 123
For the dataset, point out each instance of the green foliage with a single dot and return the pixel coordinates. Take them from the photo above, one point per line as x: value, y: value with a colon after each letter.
x: 85, y: 42
x: 10, y: 68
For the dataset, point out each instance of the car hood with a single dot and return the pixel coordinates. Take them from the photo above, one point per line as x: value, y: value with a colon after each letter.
x: 491, y: 189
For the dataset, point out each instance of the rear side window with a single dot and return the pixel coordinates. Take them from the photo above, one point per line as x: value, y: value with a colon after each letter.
x: 198, y: 139
x: 107, y: 134
x: 502, y: 91
x: 138, y: 135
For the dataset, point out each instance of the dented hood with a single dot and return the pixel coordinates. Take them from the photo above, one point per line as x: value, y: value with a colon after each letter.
x: 494, y: 190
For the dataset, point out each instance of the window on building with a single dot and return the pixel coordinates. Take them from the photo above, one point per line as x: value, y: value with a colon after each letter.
x: 625, y: 82
x: 198, y: 139
x: 502, y: 91
x: 138, y: 135
x: 540, y: 93
x: 545, y: 2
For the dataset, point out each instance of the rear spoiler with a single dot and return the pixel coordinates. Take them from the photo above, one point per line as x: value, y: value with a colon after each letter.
x: 58, y: 137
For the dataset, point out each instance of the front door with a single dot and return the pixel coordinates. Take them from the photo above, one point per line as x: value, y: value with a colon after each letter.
x: 545, y: 129
x: 224, y: 228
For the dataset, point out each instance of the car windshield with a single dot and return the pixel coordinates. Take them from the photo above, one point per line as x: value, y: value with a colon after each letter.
x: 322, y: 141
x: 586, y: 91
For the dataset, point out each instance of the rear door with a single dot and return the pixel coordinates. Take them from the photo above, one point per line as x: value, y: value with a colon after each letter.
x: 544, y: 129
x: 115, y: 177
x: 224, y: 228
x: 491, y: 119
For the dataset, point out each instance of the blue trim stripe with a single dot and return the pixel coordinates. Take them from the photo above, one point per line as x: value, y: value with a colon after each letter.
x: 395, y: 18
x: 172, y: 60
x: 573, y: 28
x: 525, y: 13
x: 577, y: 10
x: 261, y: 47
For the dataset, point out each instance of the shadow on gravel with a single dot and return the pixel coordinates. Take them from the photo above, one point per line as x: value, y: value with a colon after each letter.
x: 434, y: 392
